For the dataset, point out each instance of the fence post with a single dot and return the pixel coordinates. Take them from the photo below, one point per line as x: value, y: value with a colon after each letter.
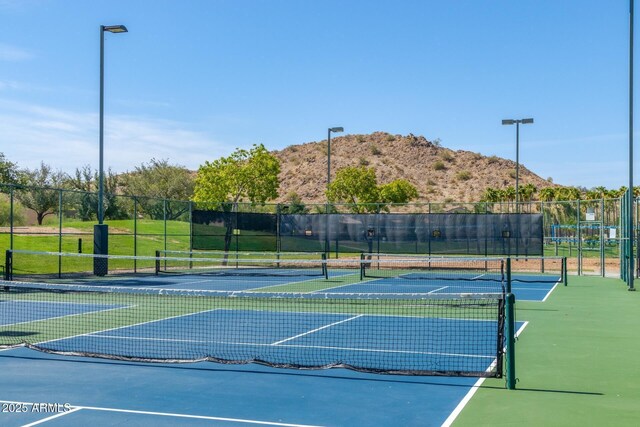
x: 135, y: 233
x: 11, y: 217
x: 579, y: 237
x: 59, y: 233
x: 511, y: 341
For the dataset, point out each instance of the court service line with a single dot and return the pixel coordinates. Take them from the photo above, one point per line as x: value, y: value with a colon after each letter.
x: 313, y: 279
x: 61, y: 414
x: 358, y: 283
x: 180, y: 283
x: 474, y: 388
x: 322, y: 347
x: 162, y: 414
x: 67, y: 315
x: 89, y: 334
x: 317, y: 329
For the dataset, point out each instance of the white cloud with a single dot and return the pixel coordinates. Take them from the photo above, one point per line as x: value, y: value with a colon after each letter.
x: 65, y: 139
x: 13, y: 53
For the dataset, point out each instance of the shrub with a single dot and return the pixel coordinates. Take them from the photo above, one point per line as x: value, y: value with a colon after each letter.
x: 463, y: 176
x: 5, y: 212
x: 439, y: 166
x: 446, y: 156
x: 375, y: 150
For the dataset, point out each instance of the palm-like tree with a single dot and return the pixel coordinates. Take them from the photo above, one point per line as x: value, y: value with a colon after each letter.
x: 547, y: 194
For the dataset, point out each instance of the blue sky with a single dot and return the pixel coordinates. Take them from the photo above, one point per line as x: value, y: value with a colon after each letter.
x: 194, y: 80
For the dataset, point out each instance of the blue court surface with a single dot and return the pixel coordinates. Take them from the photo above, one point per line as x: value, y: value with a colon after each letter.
x: 101, y: 392
x: 210, y: 281
x: 43, y: 389
x: 525, y: 287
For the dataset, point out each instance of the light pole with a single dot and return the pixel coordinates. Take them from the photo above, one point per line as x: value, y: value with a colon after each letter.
x: 517, y: 123
x: 334, y: 130
x: 327, y: 237
x: 111, y: 29
x: 630, y: 204
x: 100, y: 231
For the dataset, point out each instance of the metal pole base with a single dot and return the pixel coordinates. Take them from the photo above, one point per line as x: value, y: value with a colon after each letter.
x: 100, y: 247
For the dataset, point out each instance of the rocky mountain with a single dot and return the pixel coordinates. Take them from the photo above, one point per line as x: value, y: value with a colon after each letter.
x: 440, y: 174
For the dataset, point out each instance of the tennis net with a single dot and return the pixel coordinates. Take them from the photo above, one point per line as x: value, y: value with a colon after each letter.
x: 524, y: 269
x: 413, y: 334
x: 37, y: 265
x: 477, y: 275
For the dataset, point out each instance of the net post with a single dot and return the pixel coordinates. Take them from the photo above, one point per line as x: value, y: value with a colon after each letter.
x: 565, y: 276
x: 511, y: 341
x: 325, y: 270
x: 361, y: 266
x: 157, y: 262
x: 8, y: 266
x: 508, y: 275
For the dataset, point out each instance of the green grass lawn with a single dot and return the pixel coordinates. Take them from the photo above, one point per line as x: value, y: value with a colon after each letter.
x: 577, y: 362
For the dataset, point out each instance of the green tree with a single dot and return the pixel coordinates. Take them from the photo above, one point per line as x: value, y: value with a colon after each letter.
x: 294, y: 204
x: 85, y: 198
x: 491, y: 195
x: 568, y: 194
x: 547, y: 194
x: 527, y: 191
x: 357, y: 187
x: 153, y: 183
x: 41, y: 195
x: 250, y: 175
x: 398, y: 191
x: 245, y: 175
x: 9, y: 172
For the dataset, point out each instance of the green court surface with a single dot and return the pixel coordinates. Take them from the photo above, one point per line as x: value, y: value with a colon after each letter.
x: 577, y: 362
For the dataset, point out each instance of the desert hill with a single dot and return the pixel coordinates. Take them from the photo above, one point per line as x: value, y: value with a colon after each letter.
x: 439, y: 174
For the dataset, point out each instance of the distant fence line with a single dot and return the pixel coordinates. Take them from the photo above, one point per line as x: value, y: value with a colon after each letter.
x: 589, y: 232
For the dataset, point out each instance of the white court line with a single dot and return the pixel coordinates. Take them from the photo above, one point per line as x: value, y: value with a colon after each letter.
x: 90, y: 334
x: 366, y: 281
x: 316, y: 330
x: 162, y: 414
x: 67, y: 315
x: 190, y: 282
x: 323, y: 347
x: 458, y: 409
x: 549, y: 293
x: 58, y: 415
x: 284, y: 284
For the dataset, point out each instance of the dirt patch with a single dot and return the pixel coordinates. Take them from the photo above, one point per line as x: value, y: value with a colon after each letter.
x: 42, y: 230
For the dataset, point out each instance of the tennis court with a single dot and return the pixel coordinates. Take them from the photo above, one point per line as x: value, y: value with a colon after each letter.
x: 433, y: 331
x: 108, y: 392
x: 111, y: 391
